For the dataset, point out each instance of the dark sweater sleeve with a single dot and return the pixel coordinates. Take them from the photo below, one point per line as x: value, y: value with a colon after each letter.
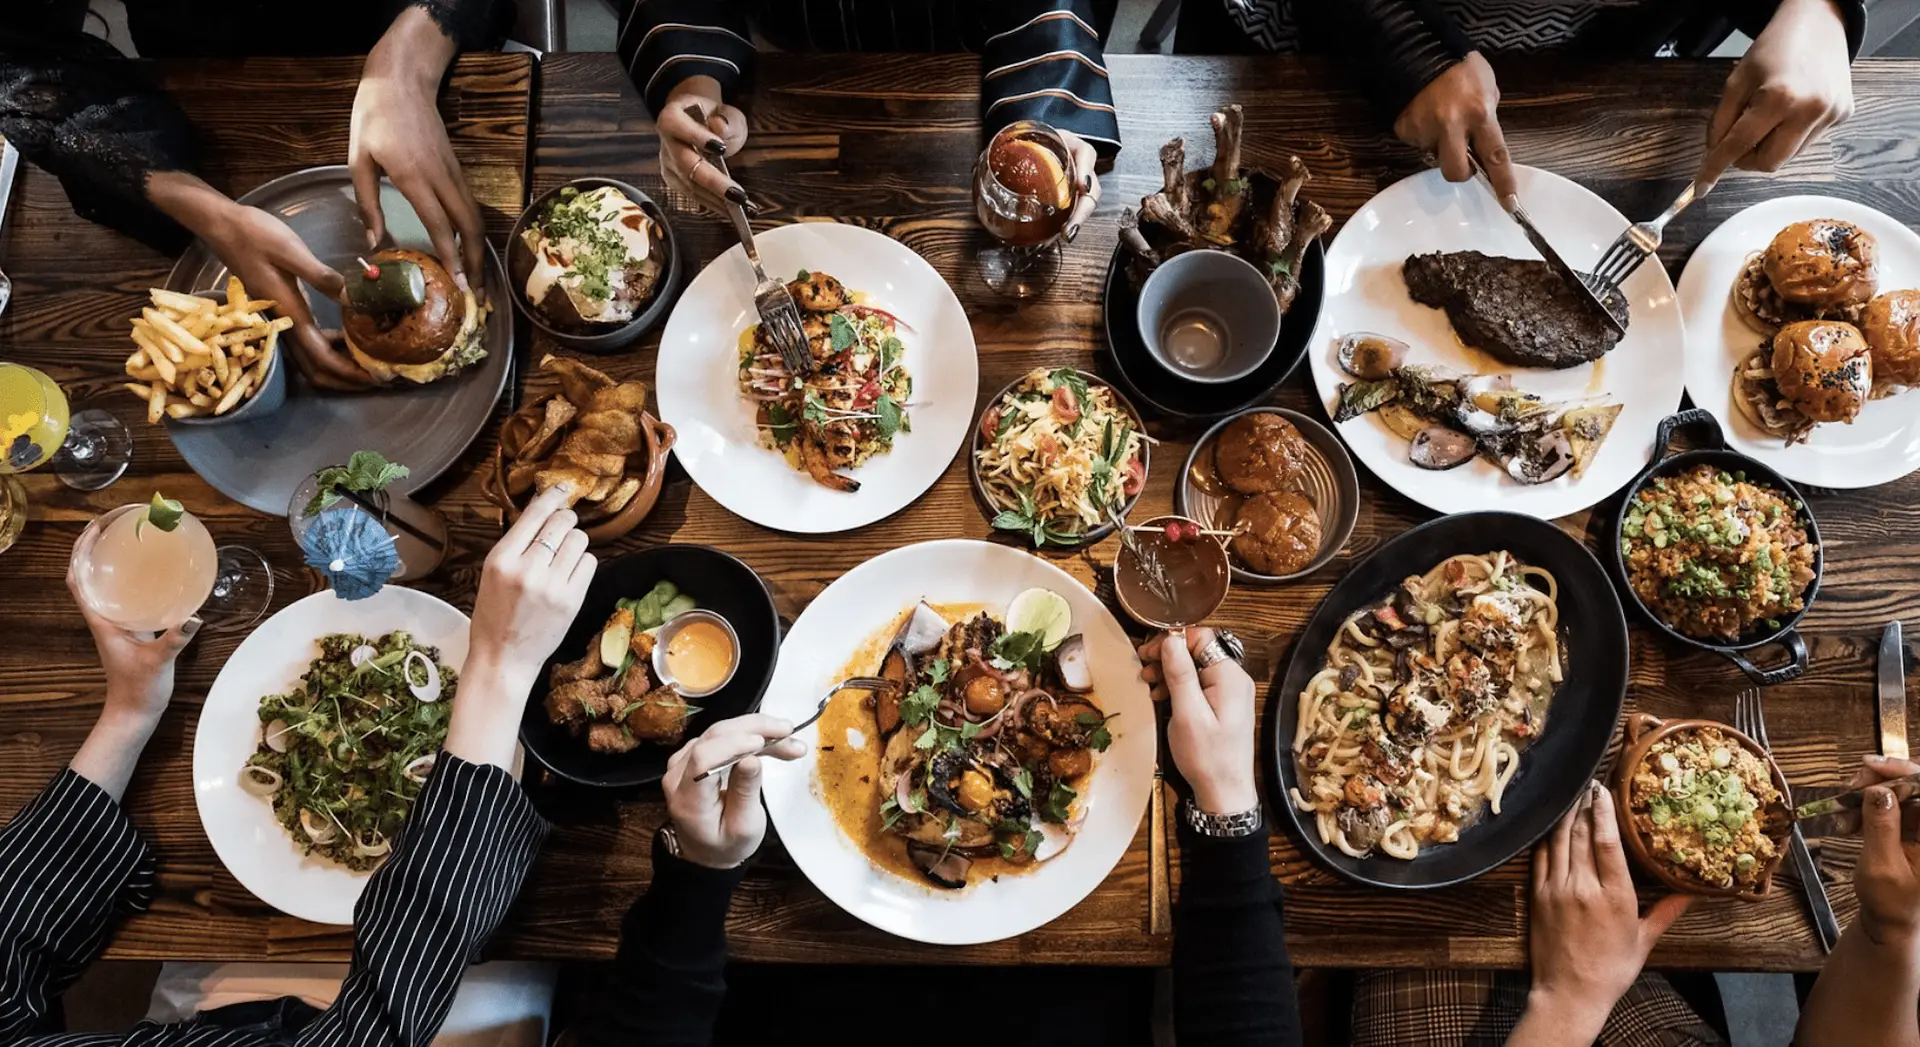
x: 1232, y: 978
x: 1041, y: 60
x: 80, y: 111
x: 468, y: 23
x: 70, y: 864
x: 663, y: 42
x: 666, y: 984
x: 1394, y: 48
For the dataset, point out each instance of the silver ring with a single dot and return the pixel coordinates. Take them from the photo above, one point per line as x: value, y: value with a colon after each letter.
x: 548, y: 546
x: 1222, y: 647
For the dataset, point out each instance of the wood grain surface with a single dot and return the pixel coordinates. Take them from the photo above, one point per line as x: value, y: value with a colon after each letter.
x: 889, y: 142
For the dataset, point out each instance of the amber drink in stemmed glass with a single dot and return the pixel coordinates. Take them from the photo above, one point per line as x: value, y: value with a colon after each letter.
x: 1023, y: 191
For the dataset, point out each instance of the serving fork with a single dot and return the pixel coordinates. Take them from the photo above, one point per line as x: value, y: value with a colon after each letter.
x: 1748, y: 719
x: 1639, y: 242
x: 857, y: 683
x: 779, y: 313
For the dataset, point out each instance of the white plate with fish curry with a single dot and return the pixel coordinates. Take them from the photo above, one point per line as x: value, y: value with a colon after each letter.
x: 1521, y: 387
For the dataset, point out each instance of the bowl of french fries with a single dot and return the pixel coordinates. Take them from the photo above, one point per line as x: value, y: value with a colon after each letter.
x: 207, y: 358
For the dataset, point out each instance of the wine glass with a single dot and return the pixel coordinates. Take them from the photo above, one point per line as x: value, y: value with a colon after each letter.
x: 89, y: 450
x: 1170, y: 574
x: 1024, y: 187
x: 146, y: 579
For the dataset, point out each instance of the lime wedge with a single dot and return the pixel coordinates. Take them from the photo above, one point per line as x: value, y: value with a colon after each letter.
x: 163, y: 514
x: 1041, y: 611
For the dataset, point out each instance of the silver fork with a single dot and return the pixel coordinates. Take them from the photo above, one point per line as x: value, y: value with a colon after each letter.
x: 1750, y: 720
x: 1639, y: 242
x: 779, y: 313
x: 858, y: 683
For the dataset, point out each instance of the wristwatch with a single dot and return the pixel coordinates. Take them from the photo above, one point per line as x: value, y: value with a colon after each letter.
x: 1223, y: 826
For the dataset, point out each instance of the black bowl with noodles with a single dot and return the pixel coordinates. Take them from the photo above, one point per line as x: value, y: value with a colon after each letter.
x: 717, y: 582
x: 1151, y: 384
x: 993, y: 507
x: 1713, y: 451
x: 584, y: 336
x: 1581, y: 718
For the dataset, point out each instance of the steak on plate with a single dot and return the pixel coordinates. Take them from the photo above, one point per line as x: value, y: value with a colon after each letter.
x: 1516, y: 309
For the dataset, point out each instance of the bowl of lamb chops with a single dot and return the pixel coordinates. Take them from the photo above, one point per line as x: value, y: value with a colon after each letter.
x: 1254, y: 213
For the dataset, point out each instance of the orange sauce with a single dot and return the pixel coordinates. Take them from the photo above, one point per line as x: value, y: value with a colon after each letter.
x: 847, y: 769
x: 700, y: 656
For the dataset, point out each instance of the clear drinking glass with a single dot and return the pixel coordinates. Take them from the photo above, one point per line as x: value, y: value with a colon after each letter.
x: 144, y: 579
x: 1024, y: 187
x: 89, y: 450
x: 419, y: 531
x: 13, y: 511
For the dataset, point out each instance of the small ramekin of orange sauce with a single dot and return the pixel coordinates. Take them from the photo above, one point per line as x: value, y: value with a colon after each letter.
x: 696, y: 653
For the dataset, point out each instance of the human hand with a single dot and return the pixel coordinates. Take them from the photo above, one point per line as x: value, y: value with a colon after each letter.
x: 1085, y: 158
x: 1457, y: 109
x: 396, y: 130
x: 688, y: 144
x: 139, y: 668
x: 1587, y: 938
x: 1795, y: 82
x: 719, y: 821
x: 1887, y: 878
x: 535, y: 579
x: 1212, y: 727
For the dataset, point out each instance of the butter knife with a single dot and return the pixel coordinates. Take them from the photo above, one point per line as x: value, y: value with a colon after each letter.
x: 1554, y: 261
x: 9, y: 165
x: 1839, y: 814
x: 1892, y: 694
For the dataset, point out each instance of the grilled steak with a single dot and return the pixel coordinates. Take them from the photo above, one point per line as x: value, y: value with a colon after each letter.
x: 1515, y: 309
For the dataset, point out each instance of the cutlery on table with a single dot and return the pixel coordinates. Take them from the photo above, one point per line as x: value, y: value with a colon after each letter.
x: 779, y: 313
x: 1594, y: 292
x: 1641, y: 240
x: 9, y: 163
x: 1750, y: 719
x: 1891, y: 694
x: 1847, y: 804
x: 858, y: 683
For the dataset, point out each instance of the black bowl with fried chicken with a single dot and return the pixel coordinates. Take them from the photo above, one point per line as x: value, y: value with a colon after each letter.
x: 717, y: 582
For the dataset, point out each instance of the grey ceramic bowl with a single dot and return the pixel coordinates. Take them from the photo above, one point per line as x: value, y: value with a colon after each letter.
x: 1330, y: 483
x: 593, y: 338
x: 1225, y: 285
x: 271, y: 396
x: 993, y: 507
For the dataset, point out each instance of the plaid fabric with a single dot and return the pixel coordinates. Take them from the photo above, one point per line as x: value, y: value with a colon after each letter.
x: 1480, y: 1008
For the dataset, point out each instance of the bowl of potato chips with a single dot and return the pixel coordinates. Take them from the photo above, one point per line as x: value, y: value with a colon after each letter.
x: 207, y: 358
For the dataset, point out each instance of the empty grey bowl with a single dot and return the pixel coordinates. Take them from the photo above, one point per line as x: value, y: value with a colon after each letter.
x: 1230, y: 289
x: 271, y: 395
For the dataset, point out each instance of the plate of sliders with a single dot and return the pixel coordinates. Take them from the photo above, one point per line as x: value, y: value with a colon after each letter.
x: 1803, y: 339
x: 1282, y: 483
x: 1463, y: 372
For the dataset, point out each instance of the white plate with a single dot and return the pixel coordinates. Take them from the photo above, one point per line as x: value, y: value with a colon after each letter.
x: 832, y: 630
x: 1365, y: 292
x: 1883, y: 443
x: 251, y: 843
x: 719, y: 444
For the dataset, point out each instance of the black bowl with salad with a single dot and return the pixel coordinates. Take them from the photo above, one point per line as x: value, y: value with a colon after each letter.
x: 1718, y: 550
x: 593, y: 264
x: 1057, y: 456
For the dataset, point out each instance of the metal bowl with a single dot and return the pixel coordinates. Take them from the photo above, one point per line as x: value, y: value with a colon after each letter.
x: 270, y: 397
x: 1332, y: 486
x: 593, y: 338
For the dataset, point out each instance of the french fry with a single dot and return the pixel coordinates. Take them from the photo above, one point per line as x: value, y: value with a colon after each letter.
x: 236, y: 291
x: 179, y: 335
x: 266, y: 352
x: 138, y: 389
x: 198, y: 325
x: 146, y: 373
x: 183, y: 410
x: 234, y: 394
x: 220, y: 365
x: 138, y: 358
x: 156, y: 403
x: 200, y: 400
x: 185, y: 303
x: 189, y: 382
x: 281, y: 323
x: 165, y: 366
x: 258, y: 305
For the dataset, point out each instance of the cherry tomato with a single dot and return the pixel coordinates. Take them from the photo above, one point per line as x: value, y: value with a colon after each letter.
x: 1135, y: 477
x: 1065, y: 406
x: 990, y: 424
x: 867, y: 310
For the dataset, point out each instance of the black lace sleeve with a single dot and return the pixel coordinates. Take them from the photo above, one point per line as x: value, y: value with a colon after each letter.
x: 1396, y: 47
x: 79, y: 110
x: 469, y: 23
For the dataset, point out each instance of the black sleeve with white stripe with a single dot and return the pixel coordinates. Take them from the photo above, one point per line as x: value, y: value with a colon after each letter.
x: 1042, y: 61
x: 1394, y: 47
x: 663, y: 42
x: 466, y: 848
x: 70, y: 864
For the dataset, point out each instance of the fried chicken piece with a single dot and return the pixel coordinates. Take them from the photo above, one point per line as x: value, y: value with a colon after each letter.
x: 660, y: 716
x: 642, y: 647
x: 587, y: 668
x: 574, y: 704
x: 611, y: 738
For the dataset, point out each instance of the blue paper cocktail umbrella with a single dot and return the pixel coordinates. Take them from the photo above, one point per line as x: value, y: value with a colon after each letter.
x: 353, y: 550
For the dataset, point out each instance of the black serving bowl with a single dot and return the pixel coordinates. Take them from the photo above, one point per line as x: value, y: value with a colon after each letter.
x: 1715, y: 452
x: 993, y: 508
x: 1148, y: 382
x: 719, y: 583
x: 594, y: 338
x: 1581, y: 719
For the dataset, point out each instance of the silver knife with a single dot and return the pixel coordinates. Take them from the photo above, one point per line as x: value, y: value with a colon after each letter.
x: 1892, y: 694
x: 1554, y: 261
x: 1844, y: 807
x: 9, y: 163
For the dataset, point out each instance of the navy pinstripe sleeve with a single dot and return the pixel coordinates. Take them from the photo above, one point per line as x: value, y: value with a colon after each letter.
x: 468, y: 843
x: 663, y: 42
x: 70, y: 863
x: 1042, y: 61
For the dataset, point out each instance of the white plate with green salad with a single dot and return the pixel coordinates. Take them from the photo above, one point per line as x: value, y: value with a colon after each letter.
x: 317, y: 736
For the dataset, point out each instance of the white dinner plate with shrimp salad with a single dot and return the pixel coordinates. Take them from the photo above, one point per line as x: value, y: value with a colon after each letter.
x: 848, y: 629
x: 238, y: 814
x: 889, y: 405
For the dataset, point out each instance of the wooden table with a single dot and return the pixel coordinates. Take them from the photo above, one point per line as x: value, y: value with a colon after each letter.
x: 888, y: 142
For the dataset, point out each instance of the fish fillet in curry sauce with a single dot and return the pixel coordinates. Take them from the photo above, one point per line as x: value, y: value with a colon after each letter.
x: 973, y: 764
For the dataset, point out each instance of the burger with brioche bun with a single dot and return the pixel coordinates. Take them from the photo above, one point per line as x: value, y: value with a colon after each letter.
x: 405, y: 317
